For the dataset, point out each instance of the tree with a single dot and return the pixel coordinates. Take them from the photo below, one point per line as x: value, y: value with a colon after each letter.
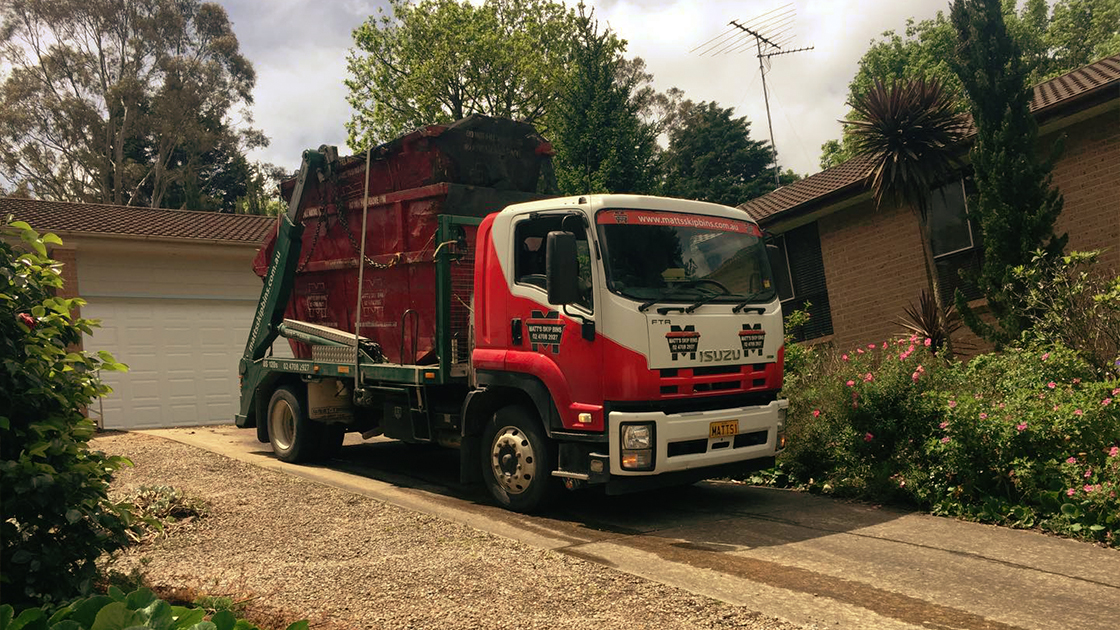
x: 262, y: 194
x: 912, y: 131
x: 1078, y: 32
x: 441, y: 60
x: 1015, y: 207
x: 712, y: 157
x: 120, y: 102
x: 601, y: 143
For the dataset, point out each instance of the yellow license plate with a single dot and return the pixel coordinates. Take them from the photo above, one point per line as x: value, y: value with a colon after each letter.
x: 726, y: 428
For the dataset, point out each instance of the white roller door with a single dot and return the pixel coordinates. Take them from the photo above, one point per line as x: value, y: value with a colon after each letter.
x: 179, y: 317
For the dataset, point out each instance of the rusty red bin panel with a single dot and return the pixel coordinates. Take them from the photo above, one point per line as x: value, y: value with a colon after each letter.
x: 470, y: 168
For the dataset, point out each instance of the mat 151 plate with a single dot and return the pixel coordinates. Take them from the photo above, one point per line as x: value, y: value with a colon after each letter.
x: 724, y: 428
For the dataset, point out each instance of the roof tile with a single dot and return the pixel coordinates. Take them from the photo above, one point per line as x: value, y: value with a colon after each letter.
x: 57, y: 216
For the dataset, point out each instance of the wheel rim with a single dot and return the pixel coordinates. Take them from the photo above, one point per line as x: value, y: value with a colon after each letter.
x: 512, y: 460
x: 282, y: 425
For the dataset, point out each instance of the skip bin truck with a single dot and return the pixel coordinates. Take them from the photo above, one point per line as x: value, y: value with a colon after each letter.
x: 431, y: 293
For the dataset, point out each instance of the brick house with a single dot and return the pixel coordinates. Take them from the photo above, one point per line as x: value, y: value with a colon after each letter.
x: 175, y: 292
x: 860, y: 266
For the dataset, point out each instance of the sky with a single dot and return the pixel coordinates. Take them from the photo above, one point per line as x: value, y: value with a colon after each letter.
x: 299, y: 50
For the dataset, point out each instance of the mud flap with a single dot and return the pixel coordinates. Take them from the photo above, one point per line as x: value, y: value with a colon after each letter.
x: 469, y: 470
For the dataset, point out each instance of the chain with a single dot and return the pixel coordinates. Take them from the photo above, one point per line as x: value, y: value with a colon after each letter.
x: 315, y: 241
x: 354, y: 243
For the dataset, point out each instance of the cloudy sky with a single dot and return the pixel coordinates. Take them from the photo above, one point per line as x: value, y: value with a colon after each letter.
x: 299, y: 49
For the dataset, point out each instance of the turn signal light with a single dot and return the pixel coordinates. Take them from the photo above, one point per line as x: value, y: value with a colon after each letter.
x: 637, y: 460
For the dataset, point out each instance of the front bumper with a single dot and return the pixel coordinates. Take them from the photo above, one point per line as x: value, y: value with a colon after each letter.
x: 683, y: 442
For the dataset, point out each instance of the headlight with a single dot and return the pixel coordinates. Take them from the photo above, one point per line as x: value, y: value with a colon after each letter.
x: 637, y: 437
x: 637, y: 447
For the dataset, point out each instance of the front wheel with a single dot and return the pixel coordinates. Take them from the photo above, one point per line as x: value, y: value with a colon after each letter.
x: 517, y: 460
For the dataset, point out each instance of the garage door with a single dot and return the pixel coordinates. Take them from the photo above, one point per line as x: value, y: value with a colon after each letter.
x: 182, y: 357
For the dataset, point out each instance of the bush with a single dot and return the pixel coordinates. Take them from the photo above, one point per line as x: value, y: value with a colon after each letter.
x: 55, y: 518
x: 117, y: 611
x: 1026, y: 438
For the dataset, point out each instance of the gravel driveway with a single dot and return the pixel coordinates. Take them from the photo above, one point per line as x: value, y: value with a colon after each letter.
x: 296, y: 549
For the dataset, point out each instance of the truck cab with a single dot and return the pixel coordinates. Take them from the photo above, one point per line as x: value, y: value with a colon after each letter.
x: 647, y: 332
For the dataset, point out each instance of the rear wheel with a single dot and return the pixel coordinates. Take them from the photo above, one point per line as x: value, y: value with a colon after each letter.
x: 294, y: 438
x: 517, y: 460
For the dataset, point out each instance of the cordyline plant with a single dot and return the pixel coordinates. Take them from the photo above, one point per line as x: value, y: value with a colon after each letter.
x: 912, y: 131
x: 55, y: 517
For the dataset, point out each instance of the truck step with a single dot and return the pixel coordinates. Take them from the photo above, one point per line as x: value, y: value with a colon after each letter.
x: 326, y: 332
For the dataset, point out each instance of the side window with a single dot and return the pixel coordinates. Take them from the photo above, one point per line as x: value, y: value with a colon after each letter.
x: 530, y: 243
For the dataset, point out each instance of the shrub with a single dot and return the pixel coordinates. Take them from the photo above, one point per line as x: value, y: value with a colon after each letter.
x: 152, y: 507
x: 55, y: 518
x: 118, y: 611
x: 1069, y: 301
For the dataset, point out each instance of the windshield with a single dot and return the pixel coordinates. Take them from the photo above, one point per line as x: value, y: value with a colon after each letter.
x: 674, y: 257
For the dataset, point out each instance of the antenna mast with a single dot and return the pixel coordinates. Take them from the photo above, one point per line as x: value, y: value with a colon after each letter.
x: 772, y: 29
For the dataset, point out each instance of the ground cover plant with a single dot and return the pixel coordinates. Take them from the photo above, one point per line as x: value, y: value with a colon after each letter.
x: 1029, y: 437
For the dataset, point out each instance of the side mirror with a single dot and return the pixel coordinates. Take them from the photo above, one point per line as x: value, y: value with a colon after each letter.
x: 561, y: 268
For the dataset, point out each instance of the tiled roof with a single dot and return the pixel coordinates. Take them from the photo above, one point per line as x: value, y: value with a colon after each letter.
x: 1047, y: 96
x: 87, y: 218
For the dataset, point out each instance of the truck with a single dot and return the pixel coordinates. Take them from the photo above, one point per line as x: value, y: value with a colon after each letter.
x: 437, y: 291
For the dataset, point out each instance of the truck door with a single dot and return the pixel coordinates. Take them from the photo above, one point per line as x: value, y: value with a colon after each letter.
x: 554, y: 343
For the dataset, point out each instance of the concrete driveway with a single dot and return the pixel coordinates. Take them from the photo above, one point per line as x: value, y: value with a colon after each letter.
x: 808, y: 559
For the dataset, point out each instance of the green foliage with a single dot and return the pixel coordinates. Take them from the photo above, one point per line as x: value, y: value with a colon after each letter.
x: 1077, y: 33
x: 711, y: 157
x: 154, y: 506
x: 120, y: 611
x: 124, y: 102
x: 55, y: 518
x: 438, y: 61
x: 1071, y: 302
x: 1025, y: 438
x: 1015, y: 206
x: 262, y: 191
x: 602, y: 144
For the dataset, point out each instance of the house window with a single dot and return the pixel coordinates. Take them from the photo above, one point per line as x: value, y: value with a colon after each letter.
x: 798, y: 269
x: 953, y: 240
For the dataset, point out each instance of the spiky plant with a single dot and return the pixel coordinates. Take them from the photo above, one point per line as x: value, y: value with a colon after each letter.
x: 912, y: 131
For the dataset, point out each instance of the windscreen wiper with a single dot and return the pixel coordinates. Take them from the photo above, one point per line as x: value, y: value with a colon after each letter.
x: 743, y: 306
x: 671, y: 295
x: 704, y: 300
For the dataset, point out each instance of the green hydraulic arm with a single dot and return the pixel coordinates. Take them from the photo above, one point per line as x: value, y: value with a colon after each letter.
x: 280, y: 279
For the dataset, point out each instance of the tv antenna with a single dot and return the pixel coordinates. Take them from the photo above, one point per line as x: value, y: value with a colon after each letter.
x: 771, y: 29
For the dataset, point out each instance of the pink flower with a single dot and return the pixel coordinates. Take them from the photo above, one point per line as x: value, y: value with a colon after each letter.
x: 920, y: 369
x: 1106, y: 401
x: 983, y: 416
x: 1045, y: 356
x: 1022, y: 426
x: 868, y: 378
x: 1116, y: 392
x: 855, y: 405
x: 978, y: 396
x: 884, y: 345
x: 928, y: 342
x: 1087, y: 487
x: 901, y: 483
x: 1001, y: 405
x: 1114, y: 451
x: 952, y: 404
x: 870, y: 346
x: 945, y: 440
x: 1088, y: 473
x: 914, y: 377
x: 1071, y: 492
x: 851, y: 383
x: 27, y: 320
x: 910, y: 350
x: 943, y: 425
x: 913, y: 338
x: 1051, y: 384
x: 1072, y: 460
x: 867, y: 437
x: 859, y: 350
x: 1078, y: 412
x: 1076, y: 381
x: 844, y: 357
x: 902, y: 356
x: 816, y: 413
x: 1055, y: 408
x: 1042, y: 395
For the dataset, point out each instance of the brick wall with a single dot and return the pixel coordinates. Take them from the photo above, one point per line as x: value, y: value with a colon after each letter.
x: 873, y: 264
x: 1088, y: 174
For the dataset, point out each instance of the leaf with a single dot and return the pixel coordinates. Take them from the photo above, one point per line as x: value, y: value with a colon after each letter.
x: 73, y: 516
x: 140, y: 598
x: 28, y: 617
x: 299, y: 625
x: 223, y: 620
x: 117, y: 594
x: 1096, y: 528
x: 21, y: 225
x: 6, y: 612
x: 157, y: 615
x: 68, y: 624
x: 85, y: 612
x: 203, y: 625
x: 52, y: 238
x: 186, y: 617
x: 115, y: 616
x: 1071, y: 510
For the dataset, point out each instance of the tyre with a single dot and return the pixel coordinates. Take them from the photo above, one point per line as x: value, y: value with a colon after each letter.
x: 517, y: 460
x: 293, y: 436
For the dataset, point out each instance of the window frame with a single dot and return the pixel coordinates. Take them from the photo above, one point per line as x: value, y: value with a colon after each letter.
x: 789, y: 270
x: 967, y: 222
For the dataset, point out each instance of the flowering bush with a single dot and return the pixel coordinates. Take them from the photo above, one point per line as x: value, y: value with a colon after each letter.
x: 1026, y: 438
